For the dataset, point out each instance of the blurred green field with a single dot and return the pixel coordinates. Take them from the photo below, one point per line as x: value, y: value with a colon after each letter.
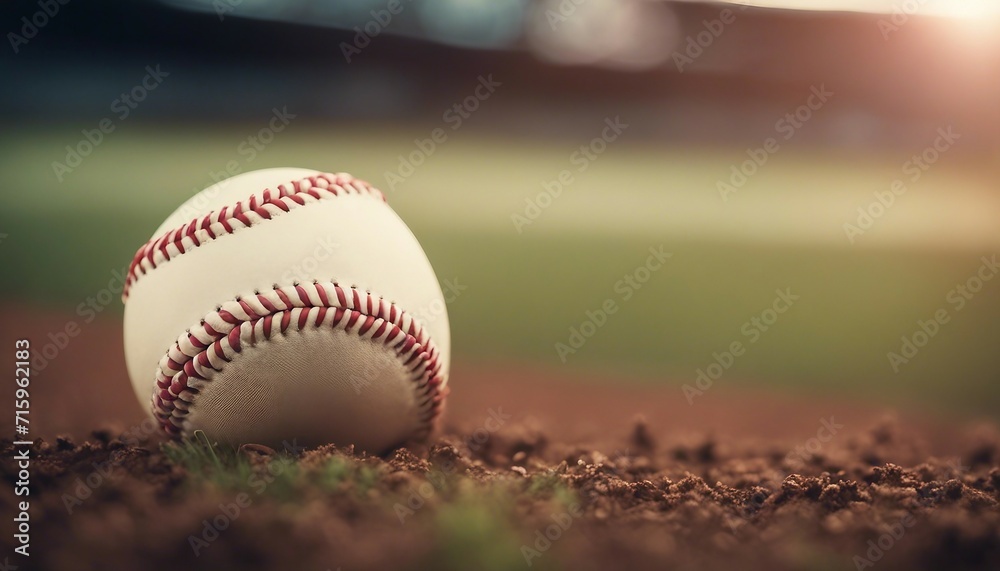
x: 524, y: 291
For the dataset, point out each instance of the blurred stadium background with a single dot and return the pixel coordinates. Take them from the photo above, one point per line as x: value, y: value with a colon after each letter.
x: 899, y: 73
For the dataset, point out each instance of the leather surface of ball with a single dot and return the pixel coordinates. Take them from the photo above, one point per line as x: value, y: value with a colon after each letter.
x: 287, y: 305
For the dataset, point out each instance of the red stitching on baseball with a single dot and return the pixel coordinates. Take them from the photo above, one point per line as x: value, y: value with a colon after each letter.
x: 203, y: 351
x: 199, y: 231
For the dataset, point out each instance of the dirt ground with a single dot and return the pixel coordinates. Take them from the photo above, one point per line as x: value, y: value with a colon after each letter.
x: 532, y: 469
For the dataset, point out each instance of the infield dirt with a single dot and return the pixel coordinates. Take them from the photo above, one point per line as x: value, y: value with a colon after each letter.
x: 532, y: 469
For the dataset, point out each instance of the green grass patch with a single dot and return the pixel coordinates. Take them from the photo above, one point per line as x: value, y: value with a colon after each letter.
x: 341, y: 473
x: 475, y: 531
x: 544, y: 484
x: 280, y: 476
x: 221, y: 466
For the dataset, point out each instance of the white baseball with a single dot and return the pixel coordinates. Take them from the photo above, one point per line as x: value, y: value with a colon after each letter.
x: 287, y: 304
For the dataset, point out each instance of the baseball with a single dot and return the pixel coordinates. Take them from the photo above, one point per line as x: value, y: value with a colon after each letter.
x: 288, y: 304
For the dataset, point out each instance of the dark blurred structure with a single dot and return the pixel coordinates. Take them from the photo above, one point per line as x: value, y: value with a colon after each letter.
x: 896, y: 78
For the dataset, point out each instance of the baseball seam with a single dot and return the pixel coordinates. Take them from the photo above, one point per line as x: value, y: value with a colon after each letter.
x: 243, y: 214
x: 202, y: 352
